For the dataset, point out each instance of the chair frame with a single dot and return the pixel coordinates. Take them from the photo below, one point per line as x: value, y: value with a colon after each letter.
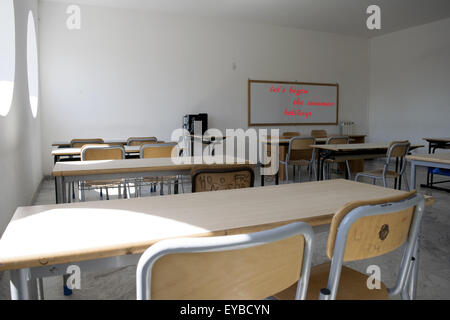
x: 346, y: 161
x: 141, y: 156
x: 223, y: 170
x: 403, y: 165
x: 103, y: 147
x: 406, y: 281
x: 224, y: 243
x: 311, y: 165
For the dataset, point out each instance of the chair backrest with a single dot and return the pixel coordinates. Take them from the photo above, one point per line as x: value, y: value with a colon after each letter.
x: 91, y: 152
x: 398, y: 149
x: 291, y: 134
x: 157, y: 150
x: 248, y: 266
x: 221, y: 177
x: 300, y: 148
x: 319, y: 133
x: 367, y: 229
x: 136, y: 141
x: 78, y: 143
x: 338, y: 140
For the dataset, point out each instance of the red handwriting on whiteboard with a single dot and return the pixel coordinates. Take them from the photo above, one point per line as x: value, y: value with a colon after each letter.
x: 298, y: 113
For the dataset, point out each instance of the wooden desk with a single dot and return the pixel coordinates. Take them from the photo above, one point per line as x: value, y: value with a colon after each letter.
x: 66, y: 172
x: 283, y: 144
x: 351, y: 152
x: 437, y: 143
x: 63, y: 152
x: 65, y: 144
x: 113, y: 234
x: 441, y: 160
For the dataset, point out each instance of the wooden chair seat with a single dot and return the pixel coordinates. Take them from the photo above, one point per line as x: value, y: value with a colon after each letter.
x: 379, y: 173
x: 352, y: 285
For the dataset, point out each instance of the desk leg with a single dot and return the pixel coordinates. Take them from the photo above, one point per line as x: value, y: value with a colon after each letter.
x: 413, y: 175
x: 60, y: 190
x: 21, y: 287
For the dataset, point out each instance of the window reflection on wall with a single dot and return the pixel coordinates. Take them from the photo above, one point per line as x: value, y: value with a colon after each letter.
x: 7, y: 55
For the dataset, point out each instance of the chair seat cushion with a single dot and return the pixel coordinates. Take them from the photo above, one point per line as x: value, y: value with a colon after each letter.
x: 352, y: 285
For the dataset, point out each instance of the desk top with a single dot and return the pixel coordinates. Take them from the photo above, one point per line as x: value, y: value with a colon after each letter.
x: 77, y: 151
x: 67, y: 143
x: 83, y: 168
x: 437, y: 139
x: 53, y: 234
x: 435, y: 158
x: 358, y: 146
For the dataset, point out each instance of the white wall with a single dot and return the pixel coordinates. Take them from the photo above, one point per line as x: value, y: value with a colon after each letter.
x: 20, y: 145
x: 129, y: 73
x: 410, y: 84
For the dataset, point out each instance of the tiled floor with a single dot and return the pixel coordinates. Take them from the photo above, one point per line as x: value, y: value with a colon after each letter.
x: 434, y: 272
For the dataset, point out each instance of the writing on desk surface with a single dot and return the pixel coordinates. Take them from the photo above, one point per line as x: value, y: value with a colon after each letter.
x: 298, y: 101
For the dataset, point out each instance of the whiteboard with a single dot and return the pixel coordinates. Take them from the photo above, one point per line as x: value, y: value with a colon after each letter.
x: 292, y: 103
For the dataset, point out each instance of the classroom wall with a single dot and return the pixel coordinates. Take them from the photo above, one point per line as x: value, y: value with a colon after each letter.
x: 133, y: 73
x: 20, y: 143
x: 409, y: 84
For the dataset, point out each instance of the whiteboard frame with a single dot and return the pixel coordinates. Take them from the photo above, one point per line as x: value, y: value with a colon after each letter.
x: 250, y: 124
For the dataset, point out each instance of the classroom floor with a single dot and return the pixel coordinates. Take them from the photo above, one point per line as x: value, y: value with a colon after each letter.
x: 434, y: 268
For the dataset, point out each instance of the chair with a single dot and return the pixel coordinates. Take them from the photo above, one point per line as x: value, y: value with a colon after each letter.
x: 92, y: 152
x: 300, y: 153
x: 396, y: 149
x: 319, y: 133
x: 247, y: 266
x: 156, y: 150
x: 291, y: 134
x: 134, y: 141
x: 221, y: 177
x: 326, y: 167
x: 78, y: 143
x: 363, y: 230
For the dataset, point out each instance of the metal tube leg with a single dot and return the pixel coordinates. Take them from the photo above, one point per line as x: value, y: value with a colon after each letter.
x: 21, y: 287
x: 412, y: 285
x: 60, y: 190
x: 413, y: 175
x: 40, y: 287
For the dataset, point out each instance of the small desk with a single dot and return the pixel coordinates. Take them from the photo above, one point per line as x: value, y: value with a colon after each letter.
x: 66, y: 172
x: 113, y: 234
x: 283, y: 144
x: 441, y: 160
x: 65, y: 152
x: 352, y: 152
x: 62, y: 144
x: 433, y: 144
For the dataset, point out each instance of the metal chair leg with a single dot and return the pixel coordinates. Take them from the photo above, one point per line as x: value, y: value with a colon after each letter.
x: 107, y: 193
x: 286, y: 170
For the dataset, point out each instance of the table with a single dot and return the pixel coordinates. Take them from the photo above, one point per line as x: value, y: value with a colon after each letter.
x: 66, y: 172
x: 352, y: 152
x: 113, y: 234
x: 283, y: 144
x: 441, y: 160
x: 433, y: 144
x: 65, y: 144
x: 70, y: 152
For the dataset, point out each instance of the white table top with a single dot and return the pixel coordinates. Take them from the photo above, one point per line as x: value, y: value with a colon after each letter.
x: 52, y: 234
x: 82, y: 168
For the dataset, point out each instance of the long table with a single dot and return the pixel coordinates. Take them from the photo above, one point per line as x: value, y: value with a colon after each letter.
x: 66, y: 172
x: 351, y: 152
x: 113, y: 234
x: 441, y: 160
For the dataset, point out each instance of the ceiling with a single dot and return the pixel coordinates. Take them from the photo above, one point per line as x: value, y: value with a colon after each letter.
x: 346, y: 17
